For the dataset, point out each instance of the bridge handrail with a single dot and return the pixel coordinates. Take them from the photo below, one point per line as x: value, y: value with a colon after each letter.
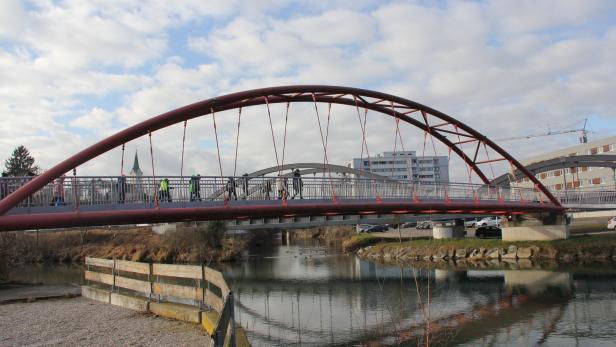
x: 103, y: 190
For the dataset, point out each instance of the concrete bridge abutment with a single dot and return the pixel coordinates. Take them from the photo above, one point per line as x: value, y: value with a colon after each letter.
x: 448, y: 230
x: 536, y: 227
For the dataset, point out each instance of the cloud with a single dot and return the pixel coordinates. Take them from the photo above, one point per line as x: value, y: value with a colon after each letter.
x: 505, y: 68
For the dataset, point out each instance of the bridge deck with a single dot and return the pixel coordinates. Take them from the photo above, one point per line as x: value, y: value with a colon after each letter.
x: 89, y: 201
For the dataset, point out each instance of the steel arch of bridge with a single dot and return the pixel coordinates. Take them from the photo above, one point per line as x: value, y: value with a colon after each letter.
x: 594, y: 160
x: 403, y: 109
x: 313, y: 168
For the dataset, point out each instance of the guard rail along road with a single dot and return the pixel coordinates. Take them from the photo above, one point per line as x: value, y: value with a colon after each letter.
x: 191, y: 293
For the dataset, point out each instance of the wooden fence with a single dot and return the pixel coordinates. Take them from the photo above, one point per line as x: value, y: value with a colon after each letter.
x: 192, y: 293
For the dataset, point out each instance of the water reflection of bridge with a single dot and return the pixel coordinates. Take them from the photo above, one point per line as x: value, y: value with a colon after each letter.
x: 342, y: 300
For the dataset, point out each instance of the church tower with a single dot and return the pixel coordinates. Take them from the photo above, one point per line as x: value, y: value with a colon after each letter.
x: 138, y: 193
x: 136, y: 171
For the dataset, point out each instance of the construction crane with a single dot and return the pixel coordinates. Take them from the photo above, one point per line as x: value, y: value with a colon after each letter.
x: 583, y: 131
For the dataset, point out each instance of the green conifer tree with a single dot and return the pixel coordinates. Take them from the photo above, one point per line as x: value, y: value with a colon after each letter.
x: 20, y: 163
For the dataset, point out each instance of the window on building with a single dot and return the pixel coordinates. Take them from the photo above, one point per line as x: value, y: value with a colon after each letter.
x: 597, y: 181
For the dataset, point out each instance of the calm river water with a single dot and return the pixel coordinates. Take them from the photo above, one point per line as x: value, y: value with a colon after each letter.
x: 308, y: 294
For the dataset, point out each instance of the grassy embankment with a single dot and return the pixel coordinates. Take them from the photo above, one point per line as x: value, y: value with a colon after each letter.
x: 597, y: 245
x: 135, y: 243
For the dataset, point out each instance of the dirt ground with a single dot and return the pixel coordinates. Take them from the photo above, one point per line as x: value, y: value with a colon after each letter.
x: 84, y: 322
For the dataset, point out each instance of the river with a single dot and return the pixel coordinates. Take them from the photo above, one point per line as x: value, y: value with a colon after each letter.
x: 305, y: 293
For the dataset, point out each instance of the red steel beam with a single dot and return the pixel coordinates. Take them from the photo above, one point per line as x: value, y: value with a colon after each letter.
x: 256, y: 96
x: 175, y: 214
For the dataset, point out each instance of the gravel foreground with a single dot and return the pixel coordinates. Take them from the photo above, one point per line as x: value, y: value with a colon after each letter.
x: 84, y: 322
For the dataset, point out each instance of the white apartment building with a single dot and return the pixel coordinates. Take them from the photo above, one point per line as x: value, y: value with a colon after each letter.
x: 405, y: 165
x: 577, y: 177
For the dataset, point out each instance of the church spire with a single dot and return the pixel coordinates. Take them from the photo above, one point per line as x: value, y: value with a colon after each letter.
x: 136, y: 171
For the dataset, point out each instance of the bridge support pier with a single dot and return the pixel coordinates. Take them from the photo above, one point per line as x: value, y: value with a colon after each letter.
x: 448, y: 230
x: 536, y: 227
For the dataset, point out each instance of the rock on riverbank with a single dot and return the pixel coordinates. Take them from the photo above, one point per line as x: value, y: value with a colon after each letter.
x: 571, y: 250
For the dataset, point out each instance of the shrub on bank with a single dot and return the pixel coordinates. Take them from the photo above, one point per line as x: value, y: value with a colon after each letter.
x: 358, y: 241
x: 127, y: 243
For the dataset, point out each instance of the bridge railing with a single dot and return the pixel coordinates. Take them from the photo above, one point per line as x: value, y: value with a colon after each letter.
x: 106, y: 190
x: 586, y: 197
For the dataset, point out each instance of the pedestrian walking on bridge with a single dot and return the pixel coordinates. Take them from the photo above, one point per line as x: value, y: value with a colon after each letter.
x: 298, y: 184
x: 281, y: 187
x: 266, y: 188
x: 164, y: 193
x: 245, y: 191
x: 121, y: 185
x: 231, y: 188
x: 4, y: 186
x: 194, y: 188
x: 57, y: 189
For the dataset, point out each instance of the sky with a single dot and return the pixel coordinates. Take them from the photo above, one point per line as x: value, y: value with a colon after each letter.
x: 74, y: 72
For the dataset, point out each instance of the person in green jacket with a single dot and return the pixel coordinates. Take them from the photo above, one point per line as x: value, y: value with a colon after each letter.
x: 164, y: 190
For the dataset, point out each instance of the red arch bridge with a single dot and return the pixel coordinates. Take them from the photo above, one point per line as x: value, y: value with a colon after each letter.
x: 117, y: 199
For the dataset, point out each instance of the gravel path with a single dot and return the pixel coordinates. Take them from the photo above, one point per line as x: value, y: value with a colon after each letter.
x: 84, y: 322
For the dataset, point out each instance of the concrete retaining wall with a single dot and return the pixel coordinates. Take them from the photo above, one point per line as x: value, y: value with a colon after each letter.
x: 95, y: 293
x: 536, y: 233
x: 176, y: 311
x: 130, y: 302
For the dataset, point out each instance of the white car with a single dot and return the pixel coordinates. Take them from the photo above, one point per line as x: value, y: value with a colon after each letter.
x: 470, y: 222
x: 489, y: 222
x: 611, y: 224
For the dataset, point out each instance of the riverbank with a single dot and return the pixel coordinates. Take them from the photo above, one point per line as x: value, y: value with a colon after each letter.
x: 372, y: 247
x: 79, y: 321
x: 127, y: 243
x: 327, y: 234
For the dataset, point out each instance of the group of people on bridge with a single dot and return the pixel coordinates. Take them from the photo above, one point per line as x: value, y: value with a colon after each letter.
x: 265, y: 187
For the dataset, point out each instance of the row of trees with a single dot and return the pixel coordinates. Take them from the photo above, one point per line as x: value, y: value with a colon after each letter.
x: 21, y: 163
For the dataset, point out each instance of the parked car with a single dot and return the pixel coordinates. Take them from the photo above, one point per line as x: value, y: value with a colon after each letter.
x: 491, y: 231
x: 376, y: 228
x: 471, y: 222
x: 611, y: 224
x: 424, y: 225
x: 408, y: 225
x: 489, y: 222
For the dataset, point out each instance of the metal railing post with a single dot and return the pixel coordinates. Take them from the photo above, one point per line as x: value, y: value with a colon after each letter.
x: 231, y: 319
